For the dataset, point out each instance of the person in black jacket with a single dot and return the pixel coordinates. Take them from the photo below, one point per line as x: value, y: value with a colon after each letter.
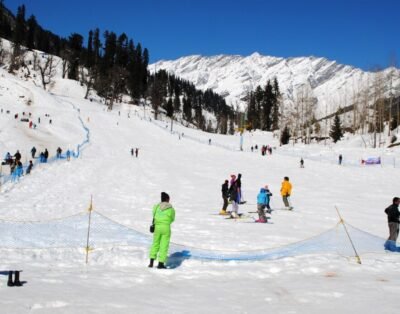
x: 393, y: 219
x: 225, y: 196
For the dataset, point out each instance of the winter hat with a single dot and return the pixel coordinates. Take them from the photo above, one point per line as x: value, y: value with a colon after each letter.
x: 164, y: 197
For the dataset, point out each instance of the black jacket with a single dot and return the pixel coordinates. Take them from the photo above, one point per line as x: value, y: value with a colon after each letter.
x: 393, y: 213
x: 225, y: 190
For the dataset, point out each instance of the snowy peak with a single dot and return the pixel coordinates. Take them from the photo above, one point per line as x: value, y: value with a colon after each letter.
x: 232, y: 76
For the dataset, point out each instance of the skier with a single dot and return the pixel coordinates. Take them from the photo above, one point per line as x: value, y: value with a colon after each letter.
x: 59, y: 151
x: 225, y: 196
x: 136, y: 152
x: 340, y: 159
x: 286, y: 190
x: 262, y: 201
x: 301, y: 163
x: 209, y: 141
x: 132, y: 152
x: 252, y: 148
x: 234, y: 197
x: 33, y: 151
x: 163, y: 217
x: 393, y: 221
x: 68, y: 155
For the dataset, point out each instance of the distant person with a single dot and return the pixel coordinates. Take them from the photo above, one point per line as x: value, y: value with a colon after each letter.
x: 164, y: 216
x: 59, y: 151
x: 46, y: 155
x: 132, y: 152
x: 225, y: 196
x: 209, y: 141
x: 29, y: 168
x: 340, y: 159
x: 17, y: 156
x: 301, y: 163
x: 68, y: 155
x: 33, y: 151
x: 393, y: 215
x: 286, y: 190
x: 136, y: 152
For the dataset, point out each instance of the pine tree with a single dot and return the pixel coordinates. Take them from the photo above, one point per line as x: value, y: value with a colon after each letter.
x: 336, y: 132
x: 285, y: 136
x: 30, y: 36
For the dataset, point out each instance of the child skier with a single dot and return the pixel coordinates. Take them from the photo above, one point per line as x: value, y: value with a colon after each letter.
x: 262, y: 200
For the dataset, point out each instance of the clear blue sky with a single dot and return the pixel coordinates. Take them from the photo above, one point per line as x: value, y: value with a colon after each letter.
x: 363, y: 33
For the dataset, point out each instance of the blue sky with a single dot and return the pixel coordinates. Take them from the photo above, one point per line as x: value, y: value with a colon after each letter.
x: 363, y: 33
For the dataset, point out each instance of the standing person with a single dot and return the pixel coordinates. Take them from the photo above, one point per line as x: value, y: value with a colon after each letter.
x: 132, y: 152
x: 29, y: 168
x: 59, y: 151
x: 164, y: 216
x: 209, y: 141
x: 136, y: 152
x: 17, y: 156
x: 46, y: 155
x: 68, y: 155
x: 301, y: 163
x: 33, y: 151
x: 239, y: 187
x: 225, y: 196
x: 286, y: 190
x: 262, y: 199
x: 269, y: 194
x: 393, y: 221
x: 234, y: 197
x: 340, y: 159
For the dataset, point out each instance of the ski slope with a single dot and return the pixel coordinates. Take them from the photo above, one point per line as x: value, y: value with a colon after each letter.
x: 124, y: 189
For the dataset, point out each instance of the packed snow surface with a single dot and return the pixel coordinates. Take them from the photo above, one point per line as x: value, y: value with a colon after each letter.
x: 124, y: 189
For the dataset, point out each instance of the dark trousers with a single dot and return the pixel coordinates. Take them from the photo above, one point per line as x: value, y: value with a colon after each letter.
x: 225, y: 206
x: 393, y: 231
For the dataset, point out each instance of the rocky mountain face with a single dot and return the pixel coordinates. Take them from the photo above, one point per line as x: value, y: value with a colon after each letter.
x: 329, y: 84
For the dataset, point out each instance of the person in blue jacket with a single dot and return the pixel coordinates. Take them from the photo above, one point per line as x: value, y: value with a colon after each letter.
x: 262, y: 201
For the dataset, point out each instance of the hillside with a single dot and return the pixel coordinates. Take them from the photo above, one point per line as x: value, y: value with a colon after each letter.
x: 232, y: 76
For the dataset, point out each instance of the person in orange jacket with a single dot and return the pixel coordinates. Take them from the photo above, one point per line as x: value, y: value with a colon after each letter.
x: 286, y: 190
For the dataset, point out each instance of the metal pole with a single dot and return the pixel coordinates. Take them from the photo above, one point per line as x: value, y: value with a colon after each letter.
x: 88, y: 233
x: 348, y: 235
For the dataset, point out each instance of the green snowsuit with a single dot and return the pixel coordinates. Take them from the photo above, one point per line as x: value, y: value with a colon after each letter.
x: 164, y: 216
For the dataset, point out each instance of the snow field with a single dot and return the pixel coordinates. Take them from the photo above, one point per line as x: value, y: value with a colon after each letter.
x: 124, y: 188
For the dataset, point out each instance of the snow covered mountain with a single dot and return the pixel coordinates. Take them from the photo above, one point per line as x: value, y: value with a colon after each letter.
x: 232, y: 76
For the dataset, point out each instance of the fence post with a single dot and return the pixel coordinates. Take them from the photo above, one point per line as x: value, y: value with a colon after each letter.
x: 90, y: 209
x: 348, y: 235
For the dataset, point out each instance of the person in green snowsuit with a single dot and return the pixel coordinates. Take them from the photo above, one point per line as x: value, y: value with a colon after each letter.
x: 164, y: 216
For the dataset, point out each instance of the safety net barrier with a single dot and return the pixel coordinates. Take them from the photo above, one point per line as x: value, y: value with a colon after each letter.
x: 93, y: 230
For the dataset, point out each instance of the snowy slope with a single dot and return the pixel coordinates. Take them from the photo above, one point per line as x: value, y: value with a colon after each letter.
x: 231, y: 76
x: 191, y: 171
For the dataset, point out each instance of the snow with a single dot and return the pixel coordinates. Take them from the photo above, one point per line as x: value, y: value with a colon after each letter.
x: 233, y: 76
x: 124, y: 188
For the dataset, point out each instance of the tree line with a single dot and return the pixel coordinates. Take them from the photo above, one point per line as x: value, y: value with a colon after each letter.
x: 113, y: 65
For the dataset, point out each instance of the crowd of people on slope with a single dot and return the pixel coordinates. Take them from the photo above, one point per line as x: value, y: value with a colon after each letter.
x: 27, y: 117
x: 232, y: 194
x: 16, y: 166
x: 264, y: 150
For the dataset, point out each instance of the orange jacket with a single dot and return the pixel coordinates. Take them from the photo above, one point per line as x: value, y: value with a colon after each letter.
x: 286, y: 188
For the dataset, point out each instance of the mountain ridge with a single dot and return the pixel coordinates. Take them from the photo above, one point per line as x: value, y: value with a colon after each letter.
x: 232, y: 76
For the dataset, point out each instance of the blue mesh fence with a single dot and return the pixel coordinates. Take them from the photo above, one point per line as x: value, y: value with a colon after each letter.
x: 72, y: 231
